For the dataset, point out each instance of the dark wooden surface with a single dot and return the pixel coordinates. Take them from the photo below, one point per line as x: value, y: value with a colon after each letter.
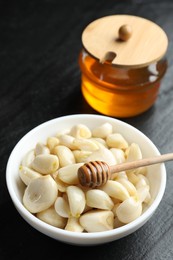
x: 40, y: 80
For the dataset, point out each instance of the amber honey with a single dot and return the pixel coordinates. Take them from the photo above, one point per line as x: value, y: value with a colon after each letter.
x: 120, y: 91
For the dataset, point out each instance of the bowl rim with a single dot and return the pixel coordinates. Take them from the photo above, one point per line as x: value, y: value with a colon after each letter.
x: 44, y: 227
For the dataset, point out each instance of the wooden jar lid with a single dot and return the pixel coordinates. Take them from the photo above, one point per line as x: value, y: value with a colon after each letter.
x: 125, y: 40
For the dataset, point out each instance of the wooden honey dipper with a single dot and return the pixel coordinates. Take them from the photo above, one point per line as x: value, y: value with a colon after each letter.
x: 96, y: 173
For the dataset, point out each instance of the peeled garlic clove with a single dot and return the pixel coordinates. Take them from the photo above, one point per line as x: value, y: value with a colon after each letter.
x: 103, y: 130
x: 26, y: 174
x: 128, y: 185
x: 76, y: 198
x: 97, y: 220
x: 64, y: 154
x: 143, y: 193
x: 98, y: 199
x: 80, y: 156
x: 73, y: 225
x: 45, y: 163
x: 28, y: 158
x: 40, y: 194
x: 68, y: 174
x: 118, y: 154
x: 80, y: 131
x: 102, y: 154
x: 133, y: 153
x: 41, y: 149
x: 52, y: 142
x: 129, y: 210
x: 116, y: 190
x: 62, y: 207
x: 67, y: 140
x: 51, y: 217
x: 85, y: 144
x: 116, y: 140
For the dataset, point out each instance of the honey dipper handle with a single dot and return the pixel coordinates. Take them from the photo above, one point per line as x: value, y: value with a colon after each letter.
x: 142, y: 162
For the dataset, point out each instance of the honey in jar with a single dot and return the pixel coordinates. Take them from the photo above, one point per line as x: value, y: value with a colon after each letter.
x: 122, y: 63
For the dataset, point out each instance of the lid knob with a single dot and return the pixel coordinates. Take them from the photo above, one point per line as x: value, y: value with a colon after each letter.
x: 125, y: 32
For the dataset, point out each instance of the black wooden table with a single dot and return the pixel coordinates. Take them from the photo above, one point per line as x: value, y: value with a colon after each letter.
x: 40, y: 80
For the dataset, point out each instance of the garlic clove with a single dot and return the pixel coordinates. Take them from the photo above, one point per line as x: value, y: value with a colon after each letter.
x: 128, y: 185
x: 80, y: 131
x: 68, y: 174
x: 133, y: 153
x: 41, y: 149
x: 97, y: 220
x: 129, y: 210
x: 26, y: 174
x: 102, y: 131
x: 116, y: 140
x: 40, y: 194
x: 116, y: 190
x: 102, y: 154
x: 62, y: 207
x: 45, y: 163
x: 64, y: 154
x: 51, y: 217
x: 98, y: 199
x: 77, y: 202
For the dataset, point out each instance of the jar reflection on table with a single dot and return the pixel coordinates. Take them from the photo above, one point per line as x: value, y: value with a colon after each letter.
x: 120, y: 91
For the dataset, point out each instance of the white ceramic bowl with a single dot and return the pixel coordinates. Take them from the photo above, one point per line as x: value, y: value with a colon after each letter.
x: 156, y: 175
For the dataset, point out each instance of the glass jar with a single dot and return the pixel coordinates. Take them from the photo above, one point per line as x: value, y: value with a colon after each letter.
x: 120, y: 91
x: 122, y: 64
